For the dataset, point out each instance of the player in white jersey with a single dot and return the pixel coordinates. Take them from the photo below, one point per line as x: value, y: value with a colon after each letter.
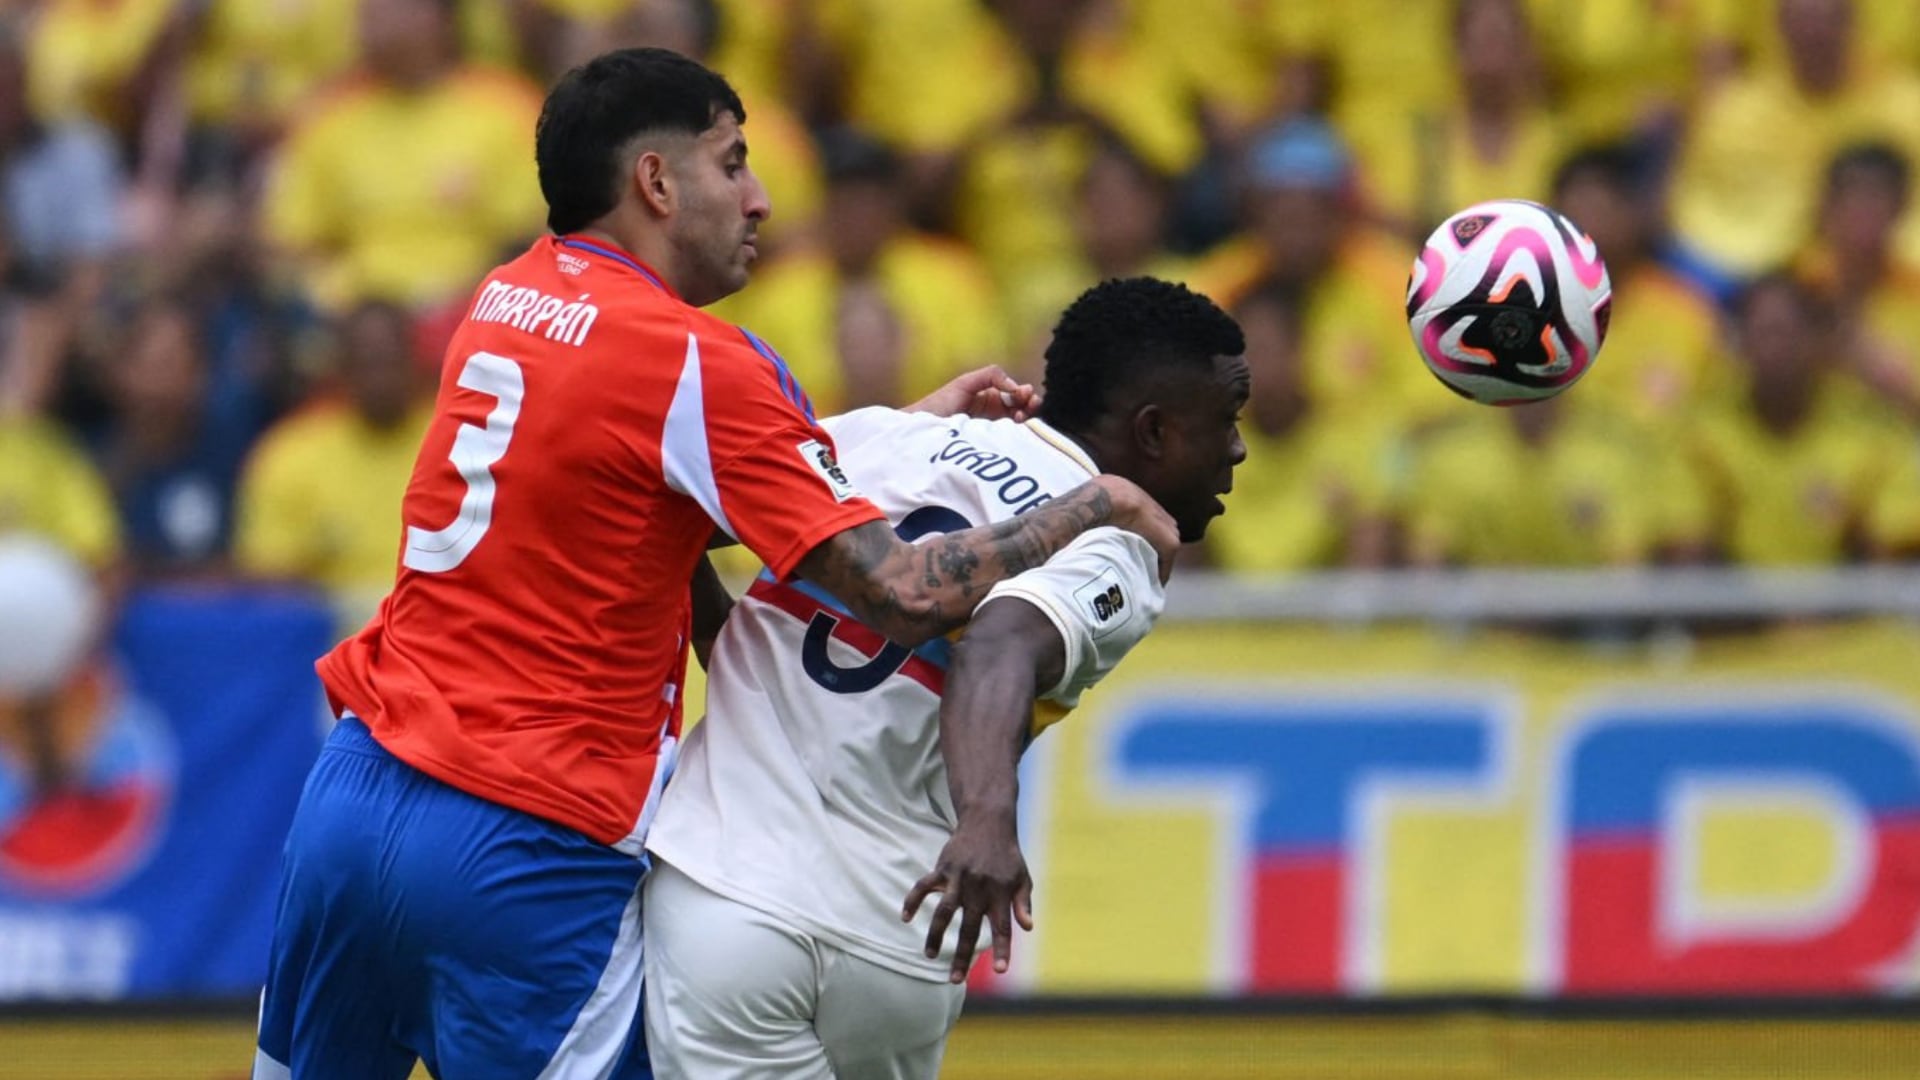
x: 815, y: 795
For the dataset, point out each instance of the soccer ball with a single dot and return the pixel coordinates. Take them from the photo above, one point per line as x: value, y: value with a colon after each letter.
x: 1508, y: 302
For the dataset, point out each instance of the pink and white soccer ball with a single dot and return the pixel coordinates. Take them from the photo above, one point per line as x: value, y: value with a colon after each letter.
x: 1508, y: 302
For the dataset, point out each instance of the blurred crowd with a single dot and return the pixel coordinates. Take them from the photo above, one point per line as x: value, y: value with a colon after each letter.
x: 234, y: 235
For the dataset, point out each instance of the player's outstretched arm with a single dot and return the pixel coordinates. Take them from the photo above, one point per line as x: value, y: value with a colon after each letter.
x: 913, y: 593
x: 1010, y: 654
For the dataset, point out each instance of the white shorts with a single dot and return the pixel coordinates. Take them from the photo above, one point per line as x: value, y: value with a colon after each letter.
x: 734, y: 992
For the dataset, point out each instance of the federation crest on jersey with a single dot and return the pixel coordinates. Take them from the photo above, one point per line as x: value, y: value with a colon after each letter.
x: 820, y: 458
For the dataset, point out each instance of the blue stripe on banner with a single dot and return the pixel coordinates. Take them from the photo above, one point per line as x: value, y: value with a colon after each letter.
x: 789, y: 385
x: 938, y: 652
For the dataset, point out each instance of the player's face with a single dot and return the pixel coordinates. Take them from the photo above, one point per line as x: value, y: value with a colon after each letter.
x: 721, y: 206
x: 1201, y: 446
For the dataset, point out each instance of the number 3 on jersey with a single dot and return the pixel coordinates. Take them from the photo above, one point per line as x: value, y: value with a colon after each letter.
x: 858, y: 680
x: 475, y: 450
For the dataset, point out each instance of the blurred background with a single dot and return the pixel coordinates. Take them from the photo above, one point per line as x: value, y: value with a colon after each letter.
x: 1460, y: 714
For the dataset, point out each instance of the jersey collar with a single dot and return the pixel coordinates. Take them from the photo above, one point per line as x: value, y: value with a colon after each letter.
x: 608, y: 251
x: 1060, y: 442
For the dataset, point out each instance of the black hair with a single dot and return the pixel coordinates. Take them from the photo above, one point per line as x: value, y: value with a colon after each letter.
x: 1110, y: 144
x: 1619, y: 166
x: 600, y: 107
x: 1124, y: 328
x: 851, y: 156
x: 1883, y: 159
x: 1813, y: 306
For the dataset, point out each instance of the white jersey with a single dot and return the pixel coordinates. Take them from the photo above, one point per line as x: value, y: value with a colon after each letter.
x: 814, y: 789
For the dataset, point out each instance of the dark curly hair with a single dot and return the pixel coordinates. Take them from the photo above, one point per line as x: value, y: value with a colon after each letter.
x: 600, y: 107
x: 1122, y: 329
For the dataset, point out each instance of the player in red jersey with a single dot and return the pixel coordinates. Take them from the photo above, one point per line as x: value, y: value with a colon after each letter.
x: 461, y: 878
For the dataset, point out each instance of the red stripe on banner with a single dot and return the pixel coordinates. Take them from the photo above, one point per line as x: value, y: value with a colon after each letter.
x: 846, y: 629
x: 1615, y: 943
x: 1297, y: 923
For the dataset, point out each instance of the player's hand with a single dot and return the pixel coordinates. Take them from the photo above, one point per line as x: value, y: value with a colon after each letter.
x: 1136, y: 511
x: 988, y: 393
x: 980, y: 873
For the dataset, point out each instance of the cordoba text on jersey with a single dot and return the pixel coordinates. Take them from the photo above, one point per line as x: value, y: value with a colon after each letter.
x: 1016, y: 489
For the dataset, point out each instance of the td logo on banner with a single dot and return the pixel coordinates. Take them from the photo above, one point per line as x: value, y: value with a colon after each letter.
x: 1674, y: 844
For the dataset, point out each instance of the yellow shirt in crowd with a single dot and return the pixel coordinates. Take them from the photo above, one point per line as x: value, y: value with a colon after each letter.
x: 1358, y: 356
x: 320, y: 500
x: 1795, y: 499
x: 1434, y: 169
x: 47, y: 486
x: 265, y: 60
x: 81, y: 53
x: 1596, y: 492
x: 1615, y: 61
x: 1886, y: 33
x: 1662, y: 354
x: 940, y: 296
x: 931, y: 75
x: 1389, y: 63
x: 1297, y: 497
x: 1750, y: 175
x: 409, y: 196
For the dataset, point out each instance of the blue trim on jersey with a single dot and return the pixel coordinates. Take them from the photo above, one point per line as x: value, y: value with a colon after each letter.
x: 938, y: 652
x: 620, y: 257
x: 789, y: 385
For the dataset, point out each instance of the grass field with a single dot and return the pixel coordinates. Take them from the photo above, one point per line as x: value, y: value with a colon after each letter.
x: 1442, y: 1045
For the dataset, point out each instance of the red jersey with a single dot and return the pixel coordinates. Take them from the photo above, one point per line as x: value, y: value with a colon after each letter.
x: 590, y: 432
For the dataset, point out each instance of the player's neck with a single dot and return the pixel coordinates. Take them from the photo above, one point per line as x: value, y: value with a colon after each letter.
x: 1090, y: 445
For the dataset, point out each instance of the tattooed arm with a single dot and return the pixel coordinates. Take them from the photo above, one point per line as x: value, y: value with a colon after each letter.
x: 913, y: 593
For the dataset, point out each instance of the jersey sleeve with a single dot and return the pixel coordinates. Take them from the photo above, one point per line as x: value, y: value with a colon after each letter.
x: 850, y: 430
x: 1102, y: 593
x: 740, y: 440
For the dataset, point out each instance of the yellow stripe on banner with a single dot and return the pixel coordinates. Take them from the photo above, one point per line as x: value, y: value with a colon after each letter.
x: 1464, y: 1046
x: 1444, y: 1046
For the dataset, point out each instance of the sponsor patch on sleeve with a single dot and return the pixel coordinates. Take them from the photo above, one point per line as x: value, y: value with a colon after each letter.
x: 819, y: 457
x: 1103, y: 601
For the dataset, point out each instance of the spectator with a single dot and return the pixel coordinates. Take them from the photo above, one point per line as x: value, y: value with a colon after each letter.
x: 1071, y: 78
x: 1874, y: 293
x: 1747, y: 184
x: 877, y: 313
x: 1311, y: 493
x: 407, y: 184
x: 171, y: 461
x: 1748, y: 33
x: 1301, y: 233
x: 86, y: 58
x: 1551, y: 484
x: 1662, y: 354
x: 1120, y: 223
x: 1625, y: 68
x: 48, y: 488
x: 1498, y: 141
x: 320, y: 500
x: 61, y: 184
x: 1379, y: 70
x: 1791, y: 472
x: 251, y: 66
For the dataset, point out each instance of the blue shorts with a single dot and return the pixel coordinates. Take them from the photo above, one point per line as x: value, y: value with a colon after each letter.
x: 417, y: 921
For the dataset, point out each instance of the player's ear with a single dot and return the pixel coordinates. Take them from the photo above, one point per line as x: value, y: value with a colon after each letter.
x: 652, y: 180
x: 1150, y: 431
